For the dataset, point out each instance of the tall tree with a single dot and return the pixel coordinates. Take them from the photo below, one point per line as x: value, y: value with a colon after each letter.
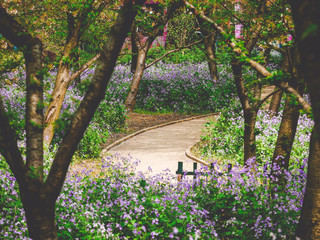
x: 241, y: 57
x: 76, y: 28
x: 143, y: 35
x: 290, y: 116
x: 210, y: 49
x: 38, y: 195
x: 238, y: 50
x: 307, y: 25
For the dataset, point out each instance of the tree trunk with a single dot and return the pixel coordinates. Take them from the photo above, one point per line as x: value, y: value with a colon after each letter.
x: 289, y: 122
x: 40, y: 215
x: 250, y: 113
x: 249, y: 140
x: 209, y: 44
x: 134, y: 52
x: 131, y: 98
x: 306, y: 18
x: 276, y: 98
x: 275, y: 102
x: 75, y: 30
x: 309, y: 222
x: 38, y: 197
x: 286, y: 134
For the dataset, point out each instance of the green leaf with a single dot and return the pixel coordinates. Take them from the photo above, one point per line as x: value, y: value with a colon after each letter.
x: 310, y: 31
x: 143, y: 183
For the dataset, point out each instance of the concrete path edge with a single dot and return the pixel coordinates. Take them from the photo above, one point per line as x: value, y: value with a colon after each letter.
x: 194, y: 158
x: 103, y: 152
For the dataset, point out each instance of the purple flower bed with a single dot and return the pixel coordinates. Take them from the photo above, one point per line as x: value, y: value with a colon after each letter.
x: 185, y: 87
x: 119, y: 204
x: 224, y: 138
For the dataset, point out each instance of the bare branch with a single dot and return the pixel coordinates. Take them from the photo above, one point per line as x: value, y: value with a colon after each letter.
x: 265, y: 98
x: 172, y: 51
x: 84, y: 67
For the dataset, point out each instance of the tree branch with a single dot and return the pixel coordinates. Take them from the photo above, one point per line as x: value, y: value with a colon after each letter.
x: 93, y: 97
x: 287, y: 88
x: 261, y: 69
x: 232, y: 14
x: 32, y: 49
x: 265, y: 98
x: 13, y: 31
x: 84, y: 67
x: 172, y: 51
x: 9, y: 148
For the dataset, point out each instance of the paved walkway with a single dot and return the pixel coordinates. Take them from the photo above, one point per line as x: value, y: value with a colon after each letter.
x: 163, y: 147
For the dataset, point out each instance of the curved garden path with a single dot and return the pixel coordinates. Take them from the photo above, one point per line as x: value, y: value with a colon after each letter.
x: 161, y: 148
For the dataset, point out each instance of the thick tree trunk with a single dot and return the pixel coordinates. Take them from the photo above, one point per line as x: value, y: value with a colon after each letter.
x: 249, y: 138
x: 309, y: 222
x: 40, y: 215
x: 289, y: 122
x: 131, y: 98
x: 306, y: 17
x: 209, y: 44
x: 286, y: 134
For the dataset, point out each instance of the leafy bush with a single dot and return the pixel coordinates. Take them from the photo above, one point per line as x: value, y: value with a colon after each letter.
x: 119, y: 204
x: 224, y: 138
x: 184, y: 88
x: 242, y: 202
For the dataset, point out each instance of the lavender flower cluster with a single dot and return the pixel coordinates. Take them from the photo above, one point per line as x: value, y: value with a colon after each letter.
x: 224, y: 138
x: 186, y: 87
x: 119, y: 203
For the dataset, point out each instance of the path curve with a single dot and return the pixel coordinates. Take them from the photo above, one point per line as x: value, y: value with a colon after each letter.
x: 161, y: 148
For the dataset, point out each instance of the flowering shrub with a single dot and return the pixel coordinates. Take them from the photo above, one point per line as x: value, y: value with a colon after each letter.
x: 224, y: 138
x: 119, y: 204
x: 243, y: 203
x: 185, y: 87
